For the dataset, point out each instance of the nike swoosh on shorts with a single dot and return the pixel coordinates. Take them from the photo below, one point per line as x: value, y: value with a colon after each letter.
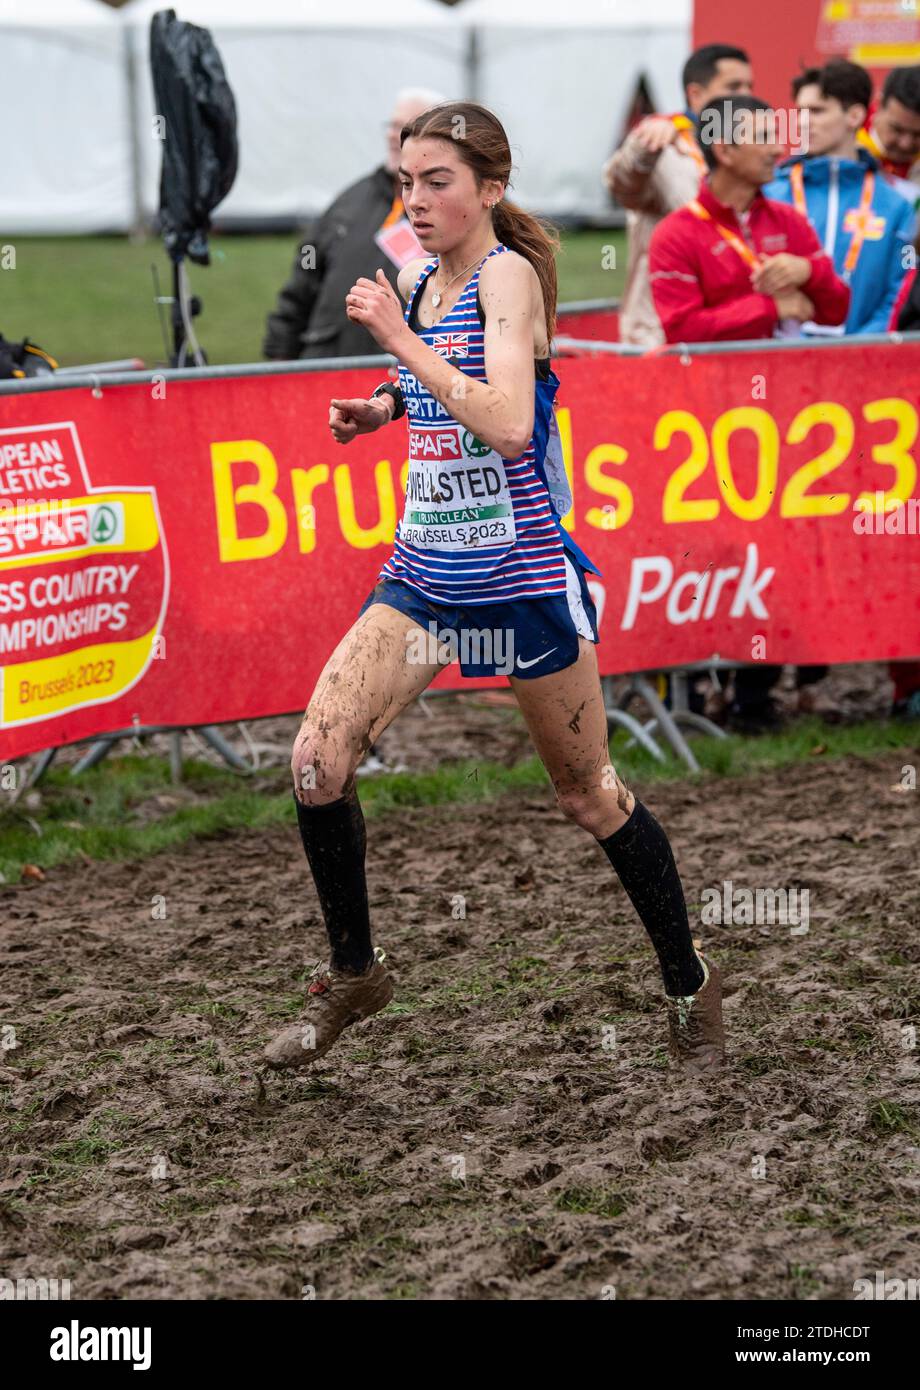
x: 524, y: 664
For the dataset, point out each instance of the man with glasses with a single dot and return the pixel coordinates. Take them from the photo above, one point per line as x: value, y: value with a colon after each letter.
x: 365, y: 227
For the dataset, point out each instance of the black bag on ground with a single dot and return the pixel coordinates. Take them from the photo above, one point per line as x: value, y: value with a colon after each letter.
x: 24, y: 359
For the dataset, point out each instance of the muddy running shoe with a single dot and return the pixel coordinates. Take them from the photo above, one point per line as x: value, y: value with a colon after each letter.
x: 334, y: 1002
x: 697, y: 1036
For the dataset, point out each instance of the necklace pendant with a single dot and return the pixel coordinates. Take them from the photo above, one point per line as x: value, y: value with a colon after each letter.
x: 436, y: 298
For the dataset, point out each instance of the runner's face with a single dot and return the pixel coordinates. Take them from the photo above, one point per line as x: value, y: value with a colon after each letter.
x: 898, y: 130
x: 440, y: 194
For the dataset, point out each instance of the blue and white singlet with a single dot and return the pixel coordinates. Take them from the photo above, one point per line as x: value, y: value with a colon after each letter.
x: 477, y: 527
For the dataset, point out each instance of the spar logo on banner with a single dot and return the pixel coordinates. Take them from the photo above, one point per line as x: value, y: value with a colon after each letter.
x: 84, y: 579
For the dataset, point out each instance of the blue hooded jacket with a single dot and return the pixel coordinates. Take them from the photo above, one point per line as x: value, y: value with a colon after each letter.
x: 833, y: 187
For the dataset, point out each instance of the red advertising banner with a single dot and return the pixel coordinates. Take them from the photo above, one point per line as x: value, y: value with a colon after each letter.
x: 879, y: 34
x: 602, y: 325
x: 185, y: 552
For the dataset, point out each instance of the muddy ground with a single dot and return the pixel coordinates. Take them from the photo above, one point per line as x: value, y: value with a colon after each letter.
x: 488, y: 1136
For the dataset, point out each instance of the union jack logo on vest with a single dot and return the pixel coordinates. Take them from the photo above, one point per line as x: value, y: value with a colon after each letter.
x: 452, y: 344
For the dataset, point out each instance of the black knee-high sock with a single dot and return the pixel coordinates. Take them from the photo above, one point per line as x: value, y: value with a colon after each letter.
x: 335, y: 840
x: 641, y: 854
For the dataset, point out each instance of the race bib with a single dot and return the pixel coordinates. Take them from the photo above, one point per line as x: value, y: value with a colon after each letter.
x: 457, y: 493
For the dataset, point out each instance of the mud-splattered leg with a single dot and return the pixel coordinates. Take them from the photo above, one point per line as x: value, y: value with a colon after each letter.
x: 367, y: 681
x: 567, y: 722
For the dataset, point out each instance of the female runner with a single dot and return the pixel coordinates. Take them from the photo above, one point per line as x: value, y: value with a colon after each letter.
x: 479, y: 550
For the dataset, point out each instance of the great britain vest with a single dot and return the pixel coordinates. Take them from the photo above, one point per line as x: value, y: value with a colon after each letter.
x: 478, y: 527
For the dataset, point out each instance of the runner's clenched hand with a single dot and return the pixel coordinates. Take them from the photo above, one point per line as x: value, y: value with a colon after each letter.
x: 349, y: 418
x: 375, y: 305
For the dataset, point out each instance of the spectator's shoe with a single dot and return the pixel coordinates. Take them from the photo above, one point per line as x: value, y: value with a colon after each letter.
x: 697, y: 1036
x: 908, y: 708
x: 374, y: 764
x: 334, y: 1002
x: 810, y: 699
x: 762, y: 718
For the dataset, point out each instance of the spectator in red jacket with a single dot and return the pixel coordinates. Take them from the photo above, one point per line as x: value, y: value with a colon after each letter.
x: 733, y: 264
x: 905, y: 315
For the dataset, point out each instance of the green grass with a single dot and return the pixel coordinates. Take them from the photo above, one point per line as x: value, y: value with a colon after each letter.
x: 95, y: 815
x: 889, y: 1117
x: 596, y: 1201
x: 67, y: 1162
x: 582, y: 260
x: 90, y: 299
x: 803, y: 1280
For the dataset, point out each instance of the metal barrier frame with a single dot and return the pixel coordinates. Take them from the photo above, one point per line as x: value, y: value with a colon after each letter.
x: 74, y: 379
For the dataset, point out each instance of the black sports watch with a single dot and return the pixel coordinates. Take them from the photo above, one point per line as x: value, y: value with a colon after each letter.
x: 387, y: 388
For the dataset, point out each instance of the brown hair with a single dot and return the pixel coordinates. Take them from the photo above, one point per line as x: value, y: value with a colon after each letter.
x: 481, y: 143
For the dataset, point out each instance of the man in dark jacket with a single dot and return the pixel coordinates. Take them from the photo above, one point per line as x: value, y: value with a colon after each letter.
x: 309, y: 319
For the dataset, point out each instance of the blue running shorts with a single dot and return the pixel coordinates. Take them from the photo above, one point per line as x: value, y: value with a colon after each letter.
x: 524, y: 638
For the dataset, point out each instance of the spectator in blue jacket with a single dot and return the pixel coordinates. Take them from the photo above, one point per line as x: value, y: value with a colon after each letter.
x: 864, y: 223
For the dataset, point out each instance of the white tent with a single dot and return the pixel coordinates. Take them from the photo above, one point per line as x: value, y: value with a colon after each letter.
x: 67, y: 145
x: 562, y: 74
x: 314, y: 82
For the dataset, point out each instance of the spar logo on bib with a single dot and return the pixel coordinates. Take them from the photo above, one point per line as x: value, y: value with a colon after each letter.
x: 433, y: 444
x: 473, y: 447
x: 84, y: 578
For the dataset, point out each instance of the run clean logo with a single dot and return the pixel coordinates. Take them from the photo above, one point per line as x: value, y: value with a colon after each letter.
x: 76, y: 1343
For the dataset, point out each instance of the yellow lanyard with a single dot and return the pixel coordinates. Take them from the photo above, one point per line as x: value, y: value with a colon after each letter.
x: 868, y: 141
x: 742, y: 248
x: 396, y: 212
x: 688, y: 142
x: 797, y: 180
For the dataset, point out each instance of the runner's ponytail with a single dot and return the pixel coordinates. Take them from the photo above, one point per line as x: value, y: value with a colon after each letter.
x: 536, y: 241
